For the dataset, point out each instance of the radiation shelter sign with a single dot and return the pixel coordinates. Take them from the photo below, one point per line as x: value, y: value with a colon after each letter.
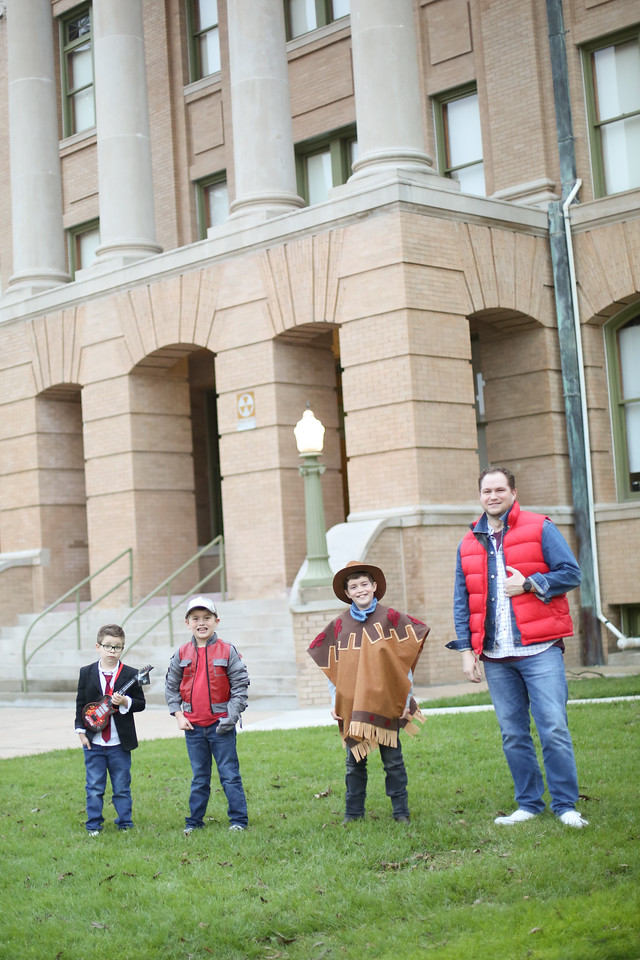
x: 246, y: 410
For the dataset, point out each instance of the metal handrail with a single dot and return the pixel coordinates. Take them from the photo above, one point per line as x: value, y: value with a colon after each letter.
x: 168, y: 613
x: 75, y: 619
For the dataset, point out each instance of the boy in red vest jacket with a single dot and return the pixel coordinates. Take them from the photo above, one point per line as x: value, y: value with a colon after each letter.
x: 206, y: 691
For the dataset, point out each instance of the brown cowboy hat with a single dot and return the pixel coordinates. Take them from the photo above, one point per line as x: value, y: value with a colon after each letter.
x: 355, y: 566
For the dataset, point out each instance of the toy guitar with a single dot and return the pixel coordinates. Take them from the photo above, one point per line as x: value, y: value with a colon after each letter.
x: 97, y: 714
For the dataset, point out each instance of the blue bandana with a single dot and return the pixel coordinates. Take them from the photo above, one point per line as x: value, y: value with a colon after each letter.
x: 362, y: 615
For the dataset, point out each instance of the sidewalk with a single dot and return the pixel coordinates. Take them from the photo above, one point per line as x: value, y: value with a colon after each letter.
x: 37, y: 724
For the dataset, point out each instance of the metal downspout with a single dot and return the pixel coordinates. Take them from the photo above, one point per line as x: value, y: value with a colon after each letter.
x: 570, y: 340
x: 623, y: 641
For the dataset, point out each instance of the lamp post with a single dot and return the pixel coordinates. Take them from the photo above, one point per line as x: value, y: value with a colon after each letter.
x: 309, y: 433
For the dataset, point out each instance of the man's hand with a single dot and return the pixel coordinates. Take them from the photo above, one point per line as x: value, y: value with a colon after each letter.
x: 513, y: 586
x: 471, y: 666
x: 183, y: 722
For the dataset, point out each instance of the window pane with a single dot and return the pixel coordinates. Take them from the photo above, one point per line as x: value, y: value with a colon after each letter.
x: 217, y: 203
x: 83, y: 115
x: 629, y: 353
x: 206, y: 14
x: 621, y: 154
x: 78, y: 27
x: 471, y: 179
x: 209, y: 52
x: 464, y: 140
x: 302, y: 16
x: 319, y: 179
x: 80, y: 67
x: 632, y: 419
x: 86, y: 245
x: 617, y: 71
x: 340, y: 8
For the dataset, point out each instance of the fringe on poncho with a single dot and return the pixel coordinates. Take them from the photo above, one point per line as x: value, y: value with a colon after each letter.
x: 369, y: 663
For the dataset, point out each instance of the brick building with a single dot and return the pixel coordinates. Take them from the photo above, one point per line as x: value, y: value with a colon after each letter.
x: 220, y: 212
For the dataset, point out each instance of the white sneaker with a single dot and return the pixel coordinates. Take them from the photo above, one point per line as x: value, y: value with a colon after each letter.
x: 571, y: 818
x: 518, y: 816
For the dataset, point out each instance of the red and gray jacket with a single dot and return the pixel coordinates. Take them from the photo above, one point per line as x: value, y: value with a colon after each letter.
x: 537, y: 622
x: 228, y: 679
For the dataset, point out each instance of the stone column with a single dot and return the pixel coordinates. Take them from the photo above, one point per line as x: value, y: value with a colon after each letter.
x: 264, y: 160
x: 387, y: 91
x: 125, y: 183
x: 39, y: 259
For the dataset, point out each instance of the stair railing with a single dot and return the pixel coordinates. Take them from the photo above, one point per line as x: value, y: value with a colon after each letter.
x: 167, y: 585
x: 27, y: 658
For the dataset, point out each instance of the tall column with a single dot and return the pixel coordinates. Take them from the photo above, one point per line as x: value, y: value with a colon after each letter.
x: 127, y: 220
x: 387, y: 91
x: 39, y: 259
x: 264, y: 160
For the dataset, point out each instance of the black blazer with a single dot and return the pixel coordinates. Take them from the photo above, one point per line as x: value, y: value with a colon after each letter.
x: 89, y: 690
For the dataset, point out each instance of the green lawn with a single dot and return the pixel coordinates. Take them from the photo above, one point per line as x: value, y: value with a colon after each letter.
x: 298, y: 885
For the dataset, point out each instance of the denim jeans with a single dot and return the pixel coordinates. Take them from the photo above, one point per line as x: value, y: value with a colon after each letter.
x: 117, y: 762
x: 395, y: 782
x: 537, y: 683
x: 203, y: 743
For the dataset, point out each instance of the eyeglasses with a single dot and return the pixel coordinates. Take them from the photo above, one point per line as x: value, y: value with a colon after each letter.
x: 109, y: 646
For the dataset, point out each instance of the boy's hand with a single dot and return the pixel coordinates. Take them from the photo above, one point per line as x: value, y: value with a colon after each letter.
x: 84, y: 740
x: 118, y: 700
x: 335, y: 715
x: 183, y: 722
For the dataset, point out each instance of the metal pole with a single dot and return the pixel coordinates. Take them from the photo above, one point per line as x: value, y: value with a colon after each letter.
x: 318, y: 573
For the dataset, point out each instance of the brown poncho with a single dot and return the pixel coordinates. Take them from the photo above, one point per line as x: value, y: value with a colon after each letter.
x: 369, y: 664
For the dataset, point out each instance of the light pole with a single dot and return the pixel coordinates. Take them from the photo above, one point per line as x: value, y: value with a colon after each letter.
x: 309, y: 433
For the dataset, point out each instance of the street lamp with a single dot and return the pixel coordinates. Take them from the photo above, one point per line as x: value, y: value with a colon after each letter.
x: 309, y: 433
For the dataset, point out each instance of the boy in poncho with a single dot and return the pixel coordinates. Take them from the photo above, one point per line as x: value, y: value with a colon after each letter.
x: 368, y: 656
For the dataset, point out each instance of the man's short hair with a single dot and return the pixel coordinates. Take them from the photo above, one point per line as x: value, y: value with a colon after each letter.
x: 356, y: 575
x: 511, y: 480
x: 110, y: 630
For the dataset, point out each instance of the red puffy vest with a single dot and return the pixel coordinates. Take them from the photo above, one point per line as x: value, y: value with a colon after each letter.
x: 217, y: 663
x: 537, y: 622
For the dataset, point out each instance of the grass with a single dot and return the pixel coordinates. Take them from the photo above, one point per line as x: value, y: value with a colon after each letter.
x: 300, y: 886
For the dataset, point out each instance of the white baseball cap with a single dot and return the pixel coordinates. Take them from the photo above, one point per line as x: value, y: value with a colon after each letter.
x: 202, y: 602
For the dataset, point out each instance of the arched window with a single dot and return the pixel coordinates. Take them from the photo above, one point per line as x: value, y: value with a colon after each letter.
x: 623, y: 358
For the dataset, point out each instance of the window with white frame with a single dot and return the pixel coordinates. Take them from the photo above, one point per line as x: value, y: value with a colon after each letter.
x: 612, y: 87
x: 302, y: 16
x: 622, y: 336
x: 459, y: 139
x: 212, y: 203
x: 204, y: 38
x: 76, y: 45
x: 325, y: 162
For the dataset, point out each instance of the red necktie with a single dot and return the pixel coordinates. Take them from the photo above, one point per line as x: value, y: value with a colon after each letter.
x: 106, y: 733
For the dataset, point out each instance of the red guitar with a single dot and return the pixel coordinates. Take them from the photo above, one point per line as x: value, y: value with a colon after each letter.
x: 96, y: 715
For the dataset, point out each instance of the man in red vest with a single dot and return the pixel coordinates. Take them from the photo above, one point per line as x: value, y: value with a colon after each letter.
x: 513, y: 571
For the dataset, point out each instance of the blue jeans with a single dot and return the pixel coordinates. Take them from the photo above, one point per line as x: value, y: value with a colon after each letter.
x: 395, y: 782
x: 203, y: 743
x: 117, y: 762
x: 537, y: 683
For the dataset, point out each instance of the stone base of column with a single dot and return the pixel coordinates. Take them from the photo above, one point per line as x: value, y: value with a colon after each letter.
x: 403, y: 165
x: 110, y: 256
x: 536, y: 193
x: 256, y: 208
x: 22, y: 285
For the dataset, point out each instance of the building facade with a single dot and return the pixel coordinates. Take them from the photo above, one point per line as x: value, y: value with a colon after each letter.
x: 215, y: 214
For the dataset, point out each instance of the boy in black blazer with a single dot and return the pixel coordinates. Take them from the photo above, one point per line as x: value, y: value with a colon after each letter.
x: 109, y: 750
